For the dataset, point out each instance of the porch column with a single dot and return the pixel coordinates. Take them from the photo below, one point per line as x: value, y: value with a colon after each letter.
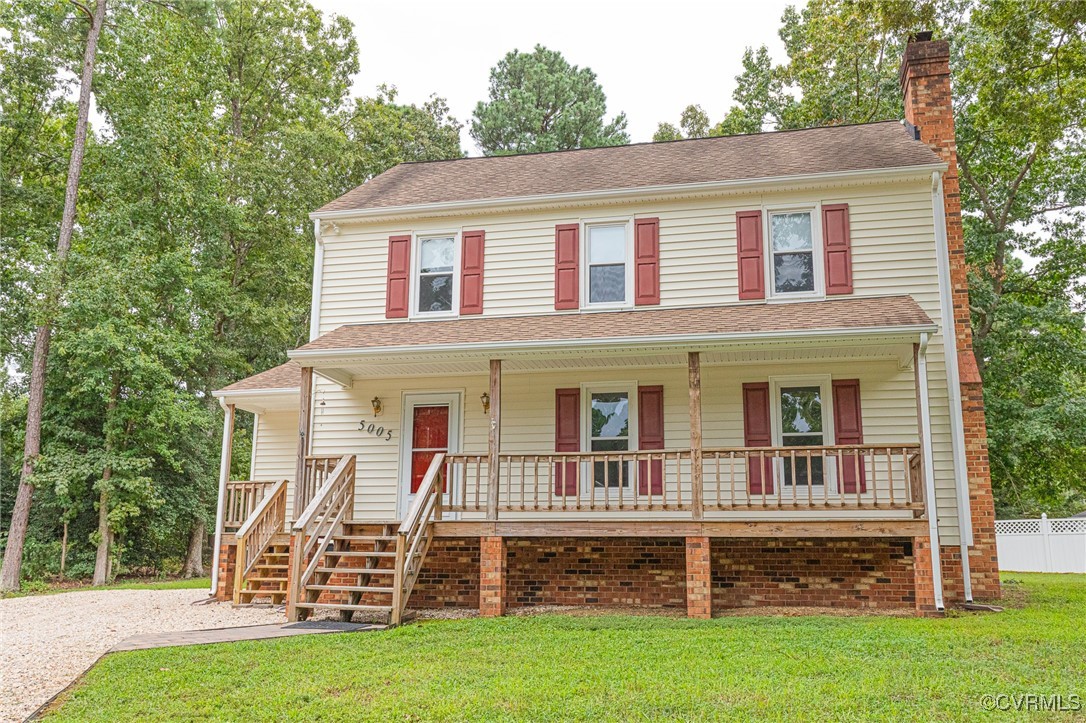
x: 492, y: 577
x: 931, y: 560
x: 694, y: 364
x: 699, y: 591
x: 305, y: 406
x: 494, y: 439
x: 224, y: 477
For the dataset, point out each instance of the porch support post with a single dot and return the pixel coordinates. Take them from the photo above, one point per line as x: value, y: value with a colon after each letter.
x: 494, y: 439
x: 920, y: 352
x: 492, y: 576
x: 699, y: 592
x: 697, y: 501
x: 224, y: 477
x: 305, y: 408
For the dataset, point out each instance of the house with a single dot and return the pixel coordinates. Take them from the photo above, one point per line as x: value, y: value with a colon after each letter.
x: 703, y: 374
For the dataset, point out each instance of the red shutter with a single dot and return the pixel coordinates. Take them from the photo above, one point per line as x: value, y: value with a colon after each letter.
x: 650, y: 435
x: 398, y: 287
x: 838, y: 248
x: 757, y: 432
x: 646, y: 261
x: 567, y: 262
x: 848, y: 429
x: 749, y: 243
x: 471, y: 272
x: 567, y: 438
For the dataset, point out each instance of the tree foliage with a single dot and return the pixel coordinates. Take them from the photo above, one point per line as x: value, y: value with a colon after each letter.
x: 539, y: 102
x: 1019, y: 81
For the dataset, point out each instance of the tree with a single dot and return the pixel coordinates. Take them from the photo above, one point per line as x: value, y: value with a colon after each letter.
x: 10, y: 573
x: 539, y: 102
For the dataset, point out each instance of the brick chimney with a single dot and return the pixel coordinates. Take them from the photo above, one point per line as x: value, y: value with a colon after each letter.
x: 925, y: 85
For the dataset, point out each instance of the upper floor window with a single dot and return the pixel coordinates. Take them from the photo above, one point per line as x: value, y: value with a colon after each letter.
x: 792, y: 246
x: 607, y: 264
x: 436, y: 274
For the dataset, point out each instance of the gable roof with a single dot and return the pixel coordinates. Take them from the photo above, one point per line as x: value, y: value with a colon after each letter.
x: 284, y: 376
x: 832, y: 149
x: 886, y: 313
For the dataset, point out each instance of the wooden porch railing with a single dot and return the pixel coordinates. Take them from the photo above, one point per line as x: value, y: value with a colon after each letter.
x: 323, y: 517
x: 242, y: 497
x: 415, y: 535
x: 258, y: 531
x: 317, y: 469
x: 890, y: 478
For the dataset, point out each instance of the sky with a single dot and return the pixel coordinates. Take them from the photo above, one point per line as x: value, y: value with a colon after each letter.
x: 651, y: 59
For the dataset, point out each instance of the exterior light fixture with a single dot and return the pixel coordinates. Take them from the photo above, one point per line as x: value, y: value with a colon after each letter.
x: 485, y: 399
x: 377, y: 406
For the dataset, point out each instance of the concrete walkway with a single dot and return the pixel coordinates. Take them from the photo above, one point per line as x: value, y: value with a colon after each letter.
x: 233, y: 635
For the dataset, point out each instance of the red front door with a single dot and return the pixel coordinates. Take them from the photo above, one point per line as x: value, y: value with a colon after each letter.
x: 429, y: 435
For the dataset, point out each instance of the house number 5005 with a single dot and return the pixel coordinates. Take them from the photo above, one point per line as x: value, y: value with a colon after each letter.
x: 376, y: 431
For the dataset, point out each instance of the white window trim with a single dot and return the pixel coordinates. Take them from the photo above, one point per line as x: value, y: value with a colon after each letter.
x: 587, y: 390
x: 586, y: 224
x: 817, y: 252
x: 417, y: 238
x: 825, y: 383
x: 409, y: 400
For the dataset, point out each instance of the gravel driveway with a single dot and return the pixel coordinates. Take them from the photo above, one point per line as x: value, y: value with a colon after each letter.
x: 47, y: 640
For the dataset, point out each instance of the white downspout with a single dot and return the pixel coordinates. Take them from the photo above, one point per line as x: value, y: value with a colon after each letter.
x: 929, y: 470
x: 224, y: 476
x: 954, y: 389
x: 318, y: 278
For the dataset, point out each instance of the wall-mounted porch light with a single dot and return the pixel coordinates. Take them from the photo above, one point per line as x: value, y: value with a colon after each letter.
x: 377, y: 406
x: 485, y: 399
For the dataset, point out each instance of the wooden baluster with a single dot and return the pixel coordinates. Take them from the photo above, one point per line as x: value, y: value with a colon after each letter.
x: 890, y: 476
x: 792, y: 454
x: 857, y: 464
x: 810, y: 480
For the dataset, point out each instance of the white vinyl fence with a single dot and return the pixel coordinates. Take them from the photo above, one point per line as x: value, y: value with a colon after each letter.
x: 1042, y: 545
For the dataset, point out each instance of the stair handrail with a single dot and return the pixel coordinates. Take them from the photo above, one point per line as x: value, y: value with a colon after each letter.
x: 317, y: 523
x: 257, y: 532
x: 415, y: 534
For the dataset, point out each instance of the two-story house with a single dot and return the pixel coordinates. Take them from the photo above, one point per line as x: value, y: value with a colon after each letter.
x: 710, y: 373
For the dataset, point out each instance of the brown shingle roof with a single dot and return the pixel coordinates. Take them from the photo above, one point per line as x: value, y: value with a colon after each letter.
x: 284, y: 376
x: 852, y: 313
x: 706, y: 160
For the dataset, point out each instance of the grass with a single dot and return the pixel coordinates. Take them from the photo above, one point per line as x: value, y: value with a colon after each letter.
x: 43, y: 588
x: 619, y: 668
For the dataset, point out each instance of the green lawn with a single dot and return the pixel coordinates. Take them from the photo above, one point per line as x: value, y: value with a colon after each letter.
x: 619, y: 668
x: 193, y: 583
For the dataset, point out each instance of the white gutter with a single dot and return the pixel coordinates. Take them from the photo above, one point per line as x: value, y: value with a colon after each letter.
x: 909, y: 331
x: 318, y: 278
x: 491, y: 204
x: 224, y: 476
x: 223, y: 395
x: 954, y: 389
x: 929, y: 471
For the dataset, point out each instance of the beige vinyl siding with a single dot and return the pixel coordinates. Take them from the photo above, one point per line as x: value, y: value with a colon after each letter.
x: 275, y: 448
x: 893, y: 252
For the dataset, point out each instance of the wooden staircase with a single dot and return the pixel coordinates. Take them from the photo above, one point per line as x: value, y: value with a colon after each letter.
x: 267, y: 582
x: 357, y: 574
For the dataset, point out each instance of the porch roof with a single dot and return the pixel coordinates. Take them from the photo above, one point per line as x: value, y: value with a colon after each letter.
x: 735, y: 323
x: 285, y: 377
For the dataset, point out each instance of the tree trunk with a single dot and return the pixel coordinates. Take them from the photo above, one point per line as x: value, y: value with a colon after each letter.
x: 101, y: 558
x: 194, y: 561
x: 64, y: 550
x: 20, y: 514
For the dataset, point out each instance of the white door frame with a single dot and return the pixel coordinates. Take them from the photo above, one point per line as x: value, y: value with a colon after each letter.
x: 423, y: 399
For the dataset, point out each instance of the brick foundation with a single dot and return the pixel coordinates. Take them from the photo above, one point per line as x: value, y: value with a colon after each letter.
x: 450, y: 575
x: 228, y: 553
x: 492, y: 578
x: 604, y: 571
x: 847, y: 573
x: 699, y: 598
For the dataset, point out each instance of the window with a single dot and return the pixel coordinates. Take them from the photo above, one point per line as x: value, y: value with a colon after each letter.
x: 802, y: 425
x: 607, y: 267
x: 436, y: 274
x: 609, y: 431
x: 792, y: 252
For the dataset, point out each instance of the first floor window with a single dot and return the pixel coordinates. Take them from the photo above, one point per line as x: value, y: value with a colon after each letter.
x: 607, y: 264
x: 791, y: 240
x: 436, y: 267
x: 609, y: 429
x: 802, y: 426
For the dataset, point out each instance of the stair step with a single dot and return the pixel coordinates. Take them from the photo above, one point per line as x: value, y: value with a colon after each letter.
x: 358, y: 570
x: 271, y: 566
x: 333, y: 606
x: 350, y: 588
x: 265, y: 579
x: 359, y: 553
x: 365, y: 538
